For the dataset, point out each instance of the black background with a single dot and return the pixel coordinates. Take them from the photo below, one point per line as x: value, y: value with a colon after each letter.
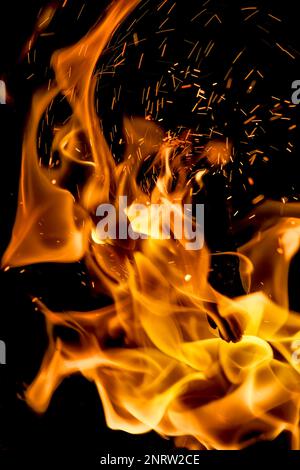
x: 74, y: 427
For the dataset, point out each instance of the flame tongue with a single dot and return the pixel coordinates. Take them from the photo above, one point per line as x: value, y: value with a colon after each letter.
x: 172, y: 371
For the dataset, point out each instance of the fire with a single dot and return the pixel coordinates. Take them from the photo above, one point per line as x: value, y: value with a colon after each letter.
x: 218, y: 152
x: 211, y: 371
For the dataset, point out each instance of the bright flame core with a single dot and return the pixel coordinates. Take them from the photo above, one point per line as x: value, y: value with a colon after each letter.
x: 214, y: 388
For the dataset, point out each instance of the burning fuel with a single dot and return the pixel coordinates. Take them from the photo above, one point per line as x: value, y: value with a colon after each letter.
x: 210, y: 370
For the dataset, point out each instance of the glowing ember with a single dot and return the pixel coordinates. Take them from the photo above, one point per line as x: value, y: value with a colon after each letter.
x: 218, y: 153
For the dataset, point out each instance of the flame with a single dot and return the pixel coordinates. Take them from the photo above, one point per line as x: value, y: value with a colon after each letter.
x: 218, y: 152
x: 211, y: 371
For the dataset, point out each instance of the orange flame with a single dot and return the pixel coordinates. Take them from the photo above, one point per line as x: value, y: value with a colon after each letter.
x: 218, y: 384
